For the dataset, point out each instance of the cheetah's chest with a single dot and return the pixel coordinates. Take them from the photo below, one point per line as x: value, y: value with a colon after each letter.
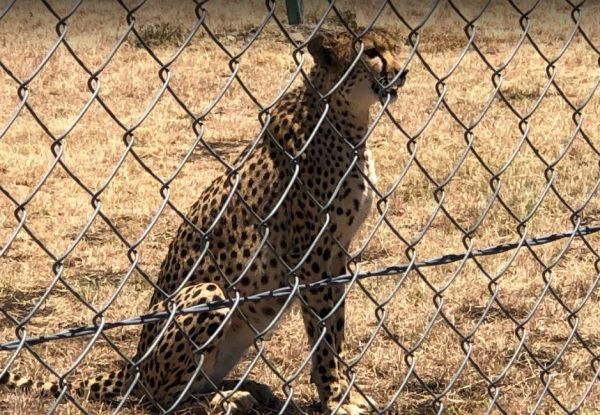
x: 355, y: 200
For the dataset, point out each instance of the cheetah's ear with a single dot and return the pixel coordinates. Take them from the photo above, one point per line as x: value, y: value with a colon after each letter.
x: 320, y: 49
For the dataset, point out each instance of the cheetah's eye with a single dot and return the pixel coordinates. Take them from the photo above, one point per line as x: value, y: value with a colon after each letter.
x: 371, y: 53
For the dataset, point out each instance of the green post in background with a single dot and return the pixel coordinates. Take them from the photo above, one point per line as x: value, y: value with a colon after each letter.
x: 295, y: 11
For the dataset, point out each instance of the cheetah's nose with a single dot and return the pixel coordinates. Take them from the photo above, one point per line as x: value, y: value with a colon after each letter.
x: 401, y: 78
x: 403, y: 75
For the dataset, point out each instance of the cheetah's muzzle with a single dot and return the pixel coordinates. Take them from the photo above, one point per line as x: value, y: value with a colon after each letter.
x: 388, y: 85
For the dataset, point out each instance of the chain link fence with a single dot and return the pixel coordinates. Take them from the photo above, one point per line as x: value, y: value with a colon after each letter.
x: 473, y: 287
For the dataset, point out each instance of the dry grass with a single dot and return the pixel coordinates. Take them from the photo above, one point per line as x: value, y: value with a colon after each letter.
x: 60, y: 210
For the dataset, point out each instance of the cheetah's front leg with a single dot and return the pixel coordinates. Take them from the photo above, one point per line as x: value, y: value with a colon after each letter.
x: 327, y: 369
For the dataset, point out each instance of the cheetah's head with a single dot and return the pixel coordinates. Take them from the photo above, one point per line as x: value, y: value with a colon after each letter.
x: 379, y: 71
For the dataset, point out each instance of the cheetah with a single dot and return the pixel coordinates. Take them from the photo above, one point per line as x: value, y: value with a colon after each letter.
x: 287, y: 215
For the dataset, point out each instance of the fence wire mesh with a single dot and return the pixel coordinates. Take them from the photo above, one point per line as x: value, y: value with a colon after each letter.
x: 471, y: 288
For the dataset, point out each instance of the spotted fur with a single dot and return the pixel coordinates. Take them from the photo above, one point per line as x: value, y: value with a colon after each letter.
x: 268, y: 178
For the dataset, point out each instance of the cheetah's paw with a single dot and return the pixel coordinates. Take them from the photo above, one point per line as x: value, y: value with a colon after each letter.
x: 262, y: 393
x: 234, y: 403
x: 355, y: 404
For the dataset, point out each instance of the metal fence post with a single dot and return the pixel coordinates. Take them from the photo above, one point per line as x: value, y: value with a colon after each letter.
x: 295, y: 11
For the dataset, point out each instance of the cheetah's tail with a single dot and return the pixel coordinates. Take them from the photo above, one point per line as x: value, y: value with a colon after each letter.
x: 102, y: 387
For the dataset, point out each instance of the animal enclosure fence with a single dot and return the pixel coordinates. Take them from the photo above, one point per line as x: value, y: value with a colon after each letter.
x: 574, y: 203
